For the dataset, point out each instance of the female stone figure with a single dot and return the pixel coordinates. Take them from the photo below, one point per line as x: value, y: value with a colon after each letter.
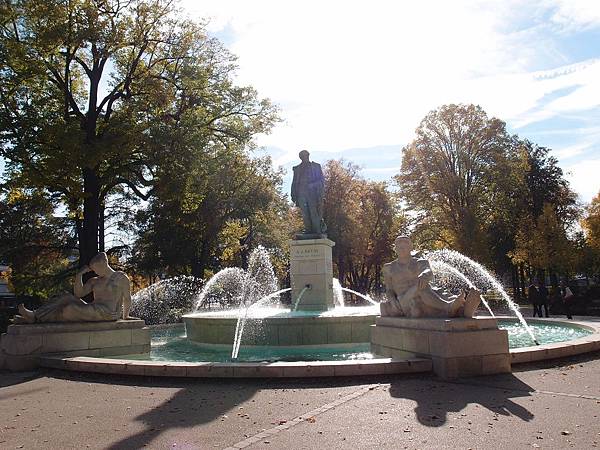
x: 409, y: 294
x: 112, y: 298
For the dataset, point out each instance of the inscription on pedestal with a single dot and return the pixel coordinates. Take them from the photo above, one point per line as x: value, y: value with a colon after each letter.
x: 309, y: 252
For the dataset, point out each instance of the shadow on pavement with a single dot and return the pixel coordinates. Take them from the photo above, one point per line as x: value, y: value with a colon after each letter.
x: 436, y: 398
x: 12, y: 378
x: 197, y: 401
x: 194, y: 404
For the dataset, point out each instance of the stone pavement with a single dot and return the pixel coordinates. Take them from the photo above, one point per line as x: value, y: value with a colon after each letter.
x: 545, y: 405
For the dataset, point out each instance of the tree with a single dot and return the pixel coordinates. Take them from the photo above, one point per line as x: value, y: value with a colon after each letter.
x: 34, y: 243
x: 223, y: 195
x: 546, y: 211
x: 363, y: 221
x: 591, y: 223
x: 590, y: 241
x: 497, y: 198
x: 93, y: 96
x: 447, y: 171
x: 546, y: 184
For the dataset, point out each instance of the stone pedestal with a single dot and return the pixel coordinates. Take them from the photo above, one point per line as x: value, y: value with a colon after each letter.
x: 458, y: 347
x: 281, y: 330
x: 21, y: 345
x: 310, y: 264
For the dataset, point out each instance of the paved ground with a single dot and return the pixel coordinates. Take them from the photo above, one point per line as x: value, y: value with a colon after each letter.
x: 546, y: 405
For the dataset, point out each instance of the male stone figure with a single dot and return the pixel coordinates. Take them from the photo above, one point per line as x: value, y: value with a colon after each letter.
x: 112, y: 298
x: 307, y: 193
x: 409, y: 293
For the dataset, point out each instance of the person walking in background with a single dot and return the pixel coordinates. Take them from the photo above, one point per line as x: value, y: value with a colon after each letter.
x: 534, y: 298
x: 543, y: 296
x: 567, y: 298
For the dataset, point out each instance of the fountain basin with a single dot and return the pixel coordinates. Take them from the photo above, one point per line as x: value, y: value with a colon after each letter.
x: 128, y: 365
x: 278, y: 327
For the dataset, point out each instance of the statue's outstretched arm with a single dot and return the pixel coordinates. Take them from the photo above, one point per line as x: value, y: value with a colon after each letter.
x: 389, y: 292
x: 125, y: 299
x: 426, y: 274
x: 126, y: 303
x: 79, y: 289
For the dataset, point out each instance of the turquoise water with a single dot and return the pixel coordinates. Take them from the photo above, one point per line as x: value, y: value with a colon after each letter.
x: 546, y: 333
x: 171, y: 345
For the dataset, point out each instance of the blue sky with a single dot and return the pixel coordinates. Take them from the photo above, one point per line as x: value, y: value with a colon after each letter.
x: 354, y: 78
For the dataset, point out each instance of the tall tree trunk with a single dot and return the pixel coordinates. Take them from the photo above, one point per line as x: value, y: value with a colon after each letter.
x: 515, y: 283
x: 553, y: 278
x: 201, y: 260
x: 101, y: 227
x: 88, y: 240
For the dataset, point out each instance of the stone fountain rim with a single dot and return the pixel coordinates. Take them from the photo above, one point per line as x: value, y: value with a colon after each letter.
x: 285, y: 369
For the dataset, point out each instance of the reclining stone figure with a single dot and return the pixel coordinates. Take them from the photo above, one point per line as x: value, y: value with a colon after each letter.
x: 409, y: 294
x: 111, y: 291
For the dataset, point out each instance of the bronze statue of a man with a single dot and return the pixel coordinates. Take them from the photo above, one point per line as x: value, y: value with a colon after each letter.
x: 112, y: 298
x: 308, y: 187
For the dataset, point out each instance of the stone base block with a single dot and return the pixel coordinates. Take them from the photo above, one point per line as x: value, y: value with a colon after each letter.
x: 458, y: 347
x: 281, y: 331
x: 311, y: 265
x: 21, y: 345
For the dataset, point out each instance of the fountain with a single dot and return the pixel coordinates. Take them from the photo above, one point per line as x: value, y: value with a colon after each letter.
x: 317, y: 315
x: 240, y: 328
x: 261, y: 319
x: 484, y: 280
x: 238, y: 316
x: 250, y: 315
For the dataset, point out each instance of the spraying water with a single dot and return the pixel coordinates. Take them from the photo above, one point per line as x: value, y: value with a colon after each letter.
x: 258, y: 282
x: 304, y: 289
x: 166, y: 300
x: 241, y: 322
x: 263, y: 300
x: 366, y: 297
x: 338, y: 295
x: 444, y: 268
x: 482, y: 276
x: 226, y: 284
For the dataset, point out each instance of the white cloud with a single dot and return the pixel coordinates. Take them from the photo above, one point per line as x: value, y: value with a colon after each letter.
x: 356, y: 73
x: 584, y: 178
x: 572, y: 150
x: 573, y: 15
x: 351, y: 74
x: 580, y: 79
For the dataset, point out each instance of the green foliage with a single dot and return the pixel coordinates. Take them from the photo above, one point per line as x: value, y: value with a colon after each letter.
x: 213, y: 209
x: 363, y: 221
x: 589, y: 240
x: 446, y: 176
x: 470, y: 186
x: 591, y: 223
x: 547, y: 210
x: 33, y: 243
x: 97, y: 95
